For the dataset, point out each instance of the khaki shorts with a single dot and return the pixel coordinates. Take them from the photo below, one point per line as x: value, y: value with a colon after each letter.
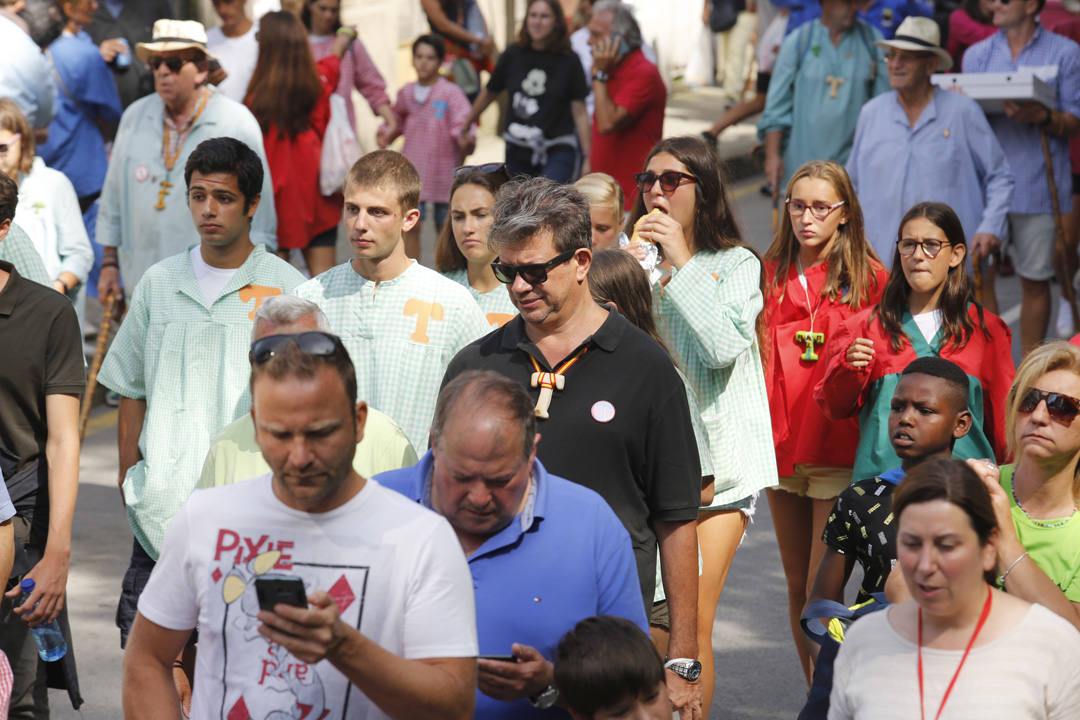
x: 1031, y: 242
x: 660, y: 615
x: 820, y: 482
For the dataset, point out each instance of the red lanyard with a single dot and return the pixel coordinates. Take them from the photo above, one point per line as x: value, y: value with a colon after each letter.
x: 978, y: 626
x: 547, y: 379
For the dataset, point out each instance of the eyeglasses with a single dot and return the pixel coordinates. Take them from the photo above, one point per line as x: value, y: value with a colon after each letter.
x: 487, y: 168
x: 819, y: 210
x: 172, y: 62
x: 4, y: 147
x: 534, y: 273
x: 669, y: 180
x: 930, y: 248
x: 1062, y: 408
x: 312, y: 342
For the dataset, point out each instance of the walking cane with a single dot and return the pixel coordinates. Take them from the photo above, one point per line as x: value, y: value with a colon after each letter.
x: 1067, y: 288
x: 775, y: 210
x: 95, y: 366
x: 977, y: 264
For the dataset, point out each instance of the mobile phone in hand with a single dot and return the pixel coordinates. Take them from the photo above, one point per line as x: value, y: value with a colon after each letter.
x: 274, y: 589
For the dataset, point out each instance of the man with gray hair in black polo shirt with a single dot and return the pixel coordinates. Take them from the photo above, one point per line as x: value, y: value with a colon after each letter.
x: 612, y: 409
x: 43, y: 381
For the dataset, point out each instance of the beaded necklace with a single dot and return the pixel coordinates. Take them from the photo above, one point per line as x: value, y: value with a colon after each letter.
x: 1041, y: 523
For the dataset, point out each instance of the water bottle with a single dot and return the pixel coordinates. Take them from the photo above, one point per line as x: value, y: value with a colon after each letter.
x: 123, y: 59
x: 50, y: 641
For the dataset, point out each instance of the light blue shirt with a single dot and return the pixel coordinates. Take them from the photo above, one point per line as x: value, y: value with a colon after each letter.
x: 1022, y: 141
x: 563, y: 558
x: 26, y: 75
x: 128, y: 218
x: 815, y: 125
x: 950, y: 156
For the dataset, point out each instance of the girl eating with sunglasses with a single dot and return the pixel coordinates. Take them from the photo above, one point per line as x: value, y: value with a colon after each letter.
x: 462, y: 252
x: 928, y: 309
x: 820, y: 271
x: 1035, y: 500
x: 708, y: 312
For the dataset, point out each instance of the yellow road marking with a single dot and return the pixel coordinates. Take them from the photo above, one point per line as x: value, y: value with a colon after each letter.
x: 104, y: 421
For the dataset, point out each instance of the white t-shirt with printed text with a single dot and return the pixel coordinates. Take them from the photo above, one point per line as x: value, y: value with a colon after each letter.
x: 394, y: 568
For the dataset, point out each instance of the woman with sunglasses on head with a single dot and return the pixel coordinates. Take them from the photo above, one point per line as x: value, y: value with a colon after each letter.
x: 959, y: 648
x: 289, y: 95
x: 928, y: 309
x: 820, y: 271
x: 708, y: 313
x: 462, y: 252
x: 1036, y: 499
x: 547, y: 123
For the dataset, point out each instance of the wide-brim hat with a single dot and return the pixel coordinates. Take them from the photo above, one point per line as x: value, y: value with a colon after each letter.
x: 173, y: 35
x: 919, y: 34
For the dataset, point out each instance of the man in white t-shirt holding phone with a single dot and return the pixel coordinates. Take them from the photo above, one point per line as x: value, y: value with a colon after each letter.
x: 388, y: 592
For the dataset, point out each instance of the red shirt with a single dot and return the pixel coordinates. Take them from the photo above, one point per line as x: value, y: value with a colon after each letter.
x: 801, y: 432
x: 302, y: 212
x: 636, y: 86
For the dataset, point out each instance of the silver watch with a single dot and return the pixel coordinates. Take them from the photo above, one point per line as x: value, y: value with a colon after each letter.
x: 686, y: 668
x: 546, y: 698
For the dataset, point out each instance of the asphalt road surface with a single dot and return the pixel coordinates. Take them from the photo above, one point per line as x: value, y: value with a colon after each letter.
x: 757, y: 673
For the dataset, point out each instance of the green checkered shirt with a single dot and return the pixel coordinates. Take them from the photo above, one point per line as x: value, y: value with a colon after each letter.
x: 496, y: 304
x: 18, y: 249
x: 707, y: 315
x: 188, y: 359
x: 401, y: 334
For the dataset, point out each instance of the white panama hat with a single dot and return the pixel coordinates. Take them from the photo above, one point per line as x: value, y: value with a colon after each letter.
x: 919, y: 34
x: 173, y: 35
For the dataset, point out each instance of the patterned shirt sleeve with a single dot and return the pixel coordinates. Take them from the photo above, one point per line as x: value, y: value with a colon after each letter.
x: 839, y: 533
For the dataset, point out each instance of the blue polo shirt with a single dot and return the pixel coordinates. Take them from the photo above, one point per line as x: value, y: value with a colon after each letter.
x: 564, y: 558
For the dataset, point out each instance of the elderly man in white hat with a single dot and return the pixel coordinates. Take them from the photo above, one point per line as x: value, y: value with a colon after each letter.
x: 920, y: 142
x: 144, y: 213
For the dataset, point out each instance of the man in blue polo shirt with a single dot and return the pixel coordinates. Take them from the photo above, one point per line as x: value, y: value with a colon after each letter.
x: 516, y: 524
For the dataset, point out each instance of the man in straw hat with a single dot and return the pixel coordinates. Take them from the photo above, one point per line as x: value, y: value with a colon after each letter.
x: 1024, y: 131
x: 144, y: 216
x: 920, y: 142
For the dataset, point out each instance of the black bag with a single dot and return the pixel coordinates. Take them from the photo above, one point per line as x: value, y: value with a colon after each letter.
x: 723, y: 14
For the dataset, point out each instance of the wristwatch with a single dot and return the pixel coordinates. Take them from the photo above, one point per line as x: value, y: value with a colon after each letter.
x: 546, y: 698
x: 600, y: 76
x: 686, y: 668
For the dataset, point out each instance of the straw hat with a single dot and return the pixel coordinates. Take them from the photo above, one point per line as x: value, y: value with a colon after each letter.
x: 173, y: 35
x: 918, y: 34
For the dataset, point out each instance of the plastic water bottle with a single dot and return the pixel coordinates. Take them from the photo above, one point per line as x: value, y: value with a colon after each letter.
x: 50, y: 641
x: 123, y: 59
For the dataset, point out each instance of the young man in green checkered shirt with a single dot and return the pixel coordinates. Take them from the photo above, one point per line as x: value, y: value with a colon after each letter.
x: 401, y: 322
x: 179, y: 361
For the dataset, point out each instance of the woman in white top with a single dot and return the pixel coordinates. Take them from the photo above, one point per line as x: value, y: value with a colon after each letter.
x: 48, y: 209
x: 959, y: 648
x: 462, y: 252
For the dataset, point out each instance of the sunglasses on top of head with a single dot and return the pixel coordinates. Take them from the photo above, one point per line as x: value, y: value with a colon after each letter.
x: 313, y: 342
x: 1060, y: 407
x: 532, y: 273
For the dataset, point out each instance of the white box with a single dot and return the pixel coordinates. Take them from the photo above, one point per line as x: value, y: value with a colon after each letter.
x: 991, y: 90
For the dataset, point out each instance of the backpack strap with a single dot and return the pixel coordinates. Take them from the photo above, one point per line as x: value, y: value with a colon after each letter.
x: 816, y: 630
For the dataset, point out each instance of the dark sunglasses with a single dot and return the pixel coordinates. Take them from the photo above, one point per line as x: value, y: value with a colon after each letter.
x: 669, y: 180
x: 487, y: 168
x: 1062, y: 408
x: 313, y: 342
x: 172, y: 62
x: 534, y: 273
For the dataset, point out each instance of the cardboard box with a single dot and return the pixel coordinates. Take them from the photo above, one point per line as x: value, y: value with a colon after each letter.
x: 991, y: 90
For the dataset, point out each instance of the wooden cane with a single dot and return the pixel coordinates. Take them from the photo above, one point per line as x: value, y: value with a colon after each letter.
x: 775, y: 210
x: 95, y: 366
x: 1067, y: 288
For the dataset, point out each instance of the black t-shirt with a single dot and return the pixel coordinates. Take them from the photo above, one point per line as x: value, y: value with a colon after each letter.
x: 861, y: 525
x: 620, y: 426
x: 42, y: 355
x: 541, y: 84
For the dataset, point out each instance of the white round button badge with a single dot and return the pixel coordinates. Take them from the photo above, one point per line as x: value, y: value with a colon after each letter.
x: 603, y: 411
x: 142, y: 173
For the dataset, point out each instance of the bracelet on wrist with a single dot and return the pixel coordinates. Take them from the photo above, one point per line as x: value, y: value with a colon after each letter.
x: 1047, y: 120
x: 346, y: 30
x: 1002, y: 576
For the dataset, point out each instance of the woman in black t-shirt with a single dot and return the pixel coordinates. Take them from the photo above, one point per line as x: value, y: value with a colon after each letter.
x: 547, y: 121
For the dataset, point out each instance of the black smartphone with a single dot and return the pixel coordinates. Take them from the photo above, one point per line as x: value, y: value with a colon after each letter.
x: 500, y: 658
x: 274, y: 589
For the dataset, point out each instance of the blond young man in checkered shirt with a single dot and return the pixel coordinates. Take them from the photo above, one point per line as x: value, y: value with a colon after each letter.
x: 401, y: 322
